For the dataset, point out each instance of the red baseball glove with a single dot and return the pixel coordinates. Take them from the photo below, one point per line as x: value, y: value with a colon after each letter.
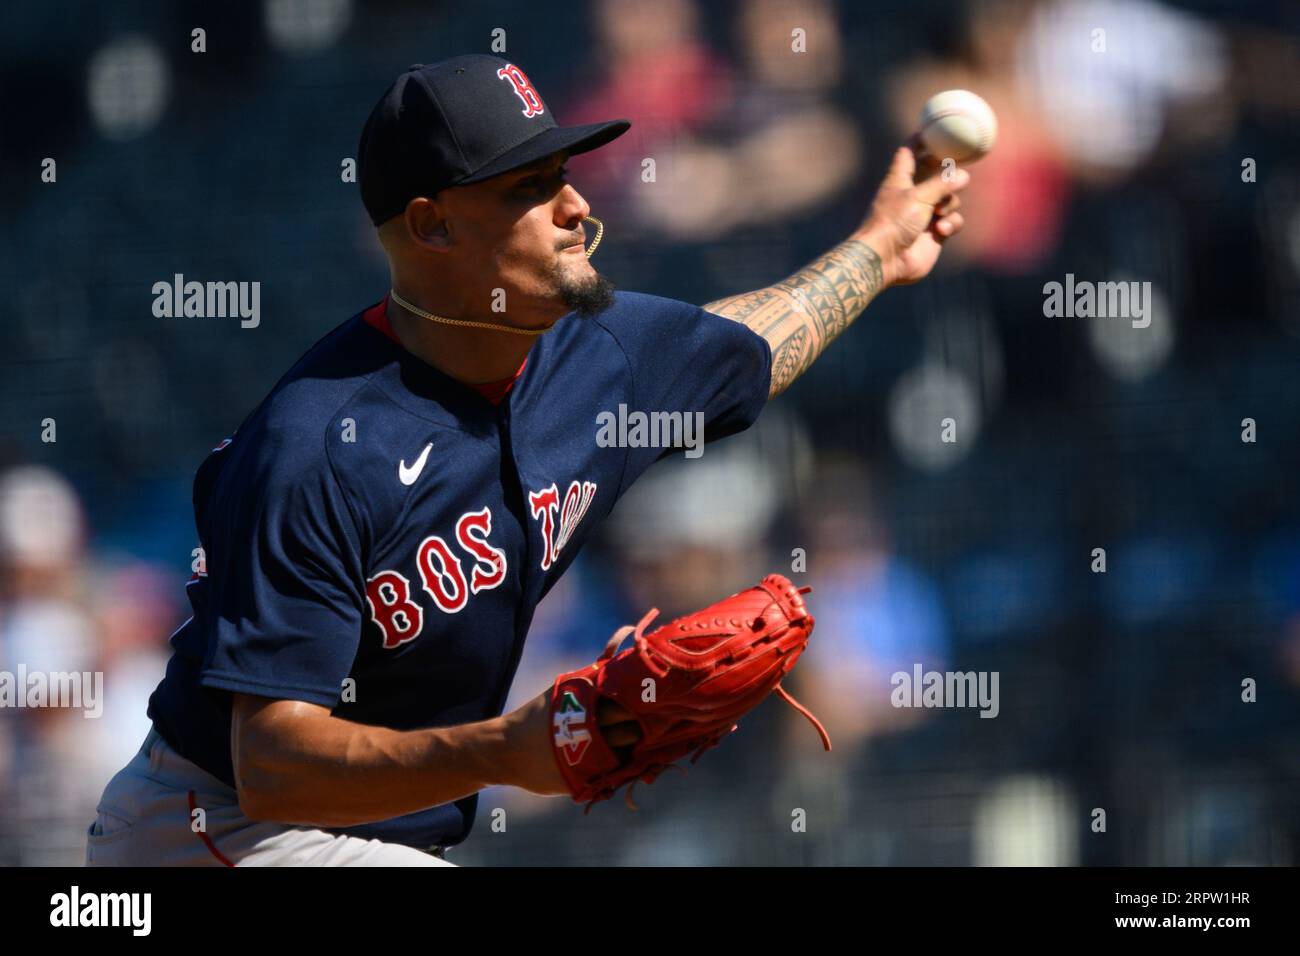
x: 685, y: 683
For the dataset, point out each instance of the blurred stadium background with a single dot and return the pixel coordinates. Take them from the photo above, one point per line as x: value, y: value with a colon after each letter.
x: 1119, y: 690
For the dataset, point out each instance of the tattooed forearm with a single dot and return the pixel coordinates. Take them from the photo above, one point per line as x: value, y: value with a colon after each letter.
x: 803, y: 314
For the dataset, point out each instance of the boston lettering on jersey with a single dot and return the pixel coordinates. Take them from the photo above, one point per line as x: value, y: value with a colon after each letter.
x: 374, y: 519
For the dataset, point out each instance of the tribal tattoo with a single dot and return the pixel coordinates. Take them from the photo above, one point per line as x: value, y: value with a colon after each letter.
x: 804, y: 313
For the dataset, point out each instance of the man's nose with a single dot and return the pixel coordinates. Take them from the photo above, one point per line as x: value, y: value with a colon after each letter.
x: 571, y: 208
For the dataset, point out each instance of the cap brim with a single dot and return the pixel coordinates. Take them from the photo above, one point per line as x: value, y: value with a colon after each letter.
x: 575, y: 139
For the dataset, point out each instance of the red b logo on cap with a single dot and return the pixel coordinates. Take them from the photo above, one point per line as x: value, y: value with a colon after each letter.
x: 523, y: 89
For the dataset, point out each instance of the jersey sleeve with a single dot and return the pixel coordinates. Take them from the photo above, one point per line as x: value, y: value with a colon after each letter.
x: 285, y: 577
x: 684, y: 359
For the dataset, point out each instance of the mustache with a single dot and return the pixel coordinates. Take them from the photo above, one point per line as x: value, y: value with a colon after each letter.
x: 579, y: 238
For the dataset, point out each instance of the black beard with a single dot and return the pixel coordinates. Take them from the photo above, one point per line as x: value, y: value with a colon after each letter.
x: 586, y: 297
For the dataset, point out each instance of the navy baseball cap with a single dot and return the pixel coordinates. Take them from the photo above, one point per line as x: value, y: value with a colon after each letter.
x: 457, y: 122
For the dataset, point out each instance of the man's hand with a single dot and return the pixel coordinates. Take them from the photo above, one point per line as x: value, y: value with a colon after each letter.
x: 913, y: 214
x: 531, y: 744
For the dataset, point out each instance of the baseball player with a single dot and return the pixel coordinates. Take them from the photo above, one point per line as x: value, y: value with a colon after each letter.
x: 378, y: 532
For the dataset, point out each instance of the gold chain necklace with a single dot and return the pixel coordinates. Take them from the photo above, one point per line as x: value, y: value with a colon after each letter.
x: 600, y: 229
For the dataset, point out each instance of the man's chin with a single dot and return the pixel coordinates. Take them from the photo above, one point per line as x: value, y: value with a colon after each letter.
x: 588, y: 295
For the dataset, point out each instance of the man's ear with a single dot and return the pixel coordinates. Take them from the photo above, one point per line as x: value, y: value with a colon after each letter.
x: 426, y: 224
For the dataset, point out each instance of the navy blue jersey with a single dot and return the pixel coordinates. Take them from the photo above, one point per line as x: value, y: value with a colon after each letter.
x: 377, y: 535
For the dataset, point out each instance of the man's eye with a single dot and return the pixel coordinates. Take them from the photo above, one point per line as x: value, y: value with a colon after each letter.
x: 534, y: 182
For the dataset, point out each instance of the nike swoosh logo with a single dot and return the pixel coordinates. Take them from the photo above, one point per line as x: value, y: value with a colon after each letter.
x: 406, y: 475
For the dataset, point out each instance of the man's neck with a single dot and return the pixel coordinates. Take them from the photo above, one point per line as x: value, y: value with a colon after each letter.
x: 470, y: 355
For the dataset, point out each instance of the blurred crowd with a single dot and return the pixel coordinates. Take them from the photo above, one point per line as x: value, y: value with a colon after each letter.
x: 1138, y: 140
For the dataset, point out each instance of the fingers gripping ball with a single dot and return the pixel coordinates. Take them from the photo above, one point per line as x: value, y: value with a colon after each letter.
x: 708, y: 670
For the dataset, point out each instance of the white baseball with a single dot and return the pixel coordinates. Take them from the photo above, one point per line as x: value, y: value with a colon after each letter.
x: 958, y: 125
